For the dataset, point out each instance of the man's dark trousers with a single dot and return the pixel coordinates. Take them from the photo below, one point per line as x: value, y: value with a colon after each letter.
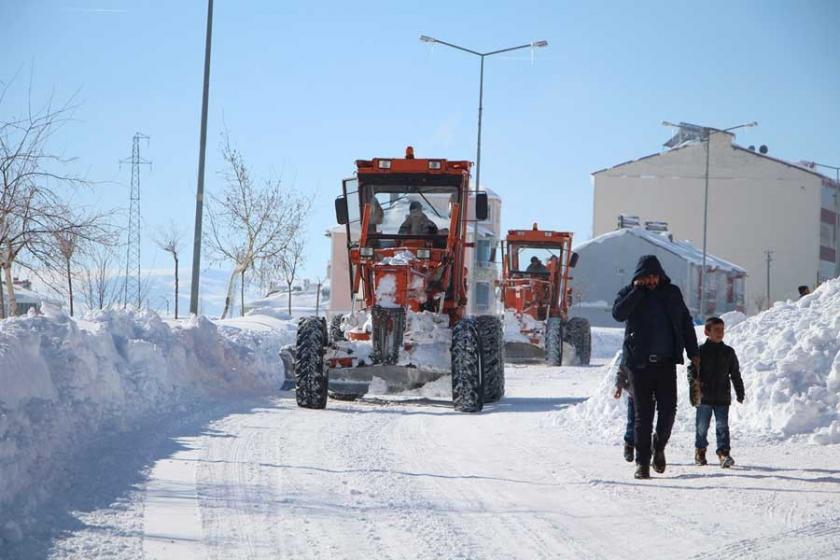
x: 654, y: 388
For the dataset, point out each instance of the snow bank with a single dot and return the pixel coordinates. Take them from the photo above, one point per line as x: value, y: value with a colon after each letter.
x: 790, y: 363
x: 790, y: 359
x: 65, y: 382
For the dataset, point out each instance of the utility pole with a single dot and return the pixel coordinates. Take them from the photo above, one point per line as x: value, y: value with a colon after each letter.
x: 202, y: 145
x: 482, y: 56
x: 707, y: 140
x: 131, y: 285
x: 769, y: 255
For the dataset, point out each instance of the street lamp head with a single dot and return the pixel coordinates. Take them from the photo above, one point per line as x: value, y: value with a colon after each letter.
x: 539, y: 44
x: 754, y: 123
x: 427, y: 39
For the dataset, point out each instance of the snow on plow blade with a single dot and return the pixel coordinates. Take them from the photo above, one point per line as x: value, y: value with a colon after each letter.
x: 352, y: 382
x: 523, y: 352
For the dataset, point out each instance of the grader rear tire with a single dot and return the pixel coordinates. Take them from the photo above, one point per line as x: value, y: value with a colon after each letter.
x: 554, y: 341
x: 491, y: 335
x: 579, y: 335
x: 310, y: 380
x: 467, y: 387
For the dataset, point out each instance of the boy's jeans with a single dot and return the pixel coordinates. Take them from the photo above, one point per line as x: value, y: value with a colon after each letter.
x: 704, y: 418
x: 629, y: 436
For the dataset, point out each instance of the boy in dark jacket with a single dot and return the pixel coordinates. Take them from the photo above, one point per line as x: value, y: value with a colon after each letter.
x: 718, y: 373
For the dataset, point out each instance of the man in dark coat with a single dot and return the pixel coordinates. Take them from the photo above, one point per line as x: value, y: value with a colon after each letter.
x: 417, y: 222
x: 536, y: 266
x: 658, y: 329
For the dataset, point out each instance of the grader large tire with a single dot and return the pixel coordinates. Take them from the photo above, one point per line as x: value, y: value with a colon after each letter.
x: 554, y: 341
x: 336, y: 334
x: 310, y: 379
x: 491, y: 336
x: 579, y: 335
x: 467, y: 388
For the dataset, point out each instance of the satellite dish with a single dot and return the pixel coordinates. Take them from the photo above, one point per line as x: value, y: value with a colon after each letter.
x: 763, y: 149
x: 751, y: 148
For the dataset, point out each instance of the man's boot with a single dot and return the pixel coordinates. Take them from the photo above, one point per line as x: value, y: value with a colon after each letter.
x: 628, y: 452
x: 700, y: 457
x: 642, y: 472
x: 726, y: 460
x: 659, y: 462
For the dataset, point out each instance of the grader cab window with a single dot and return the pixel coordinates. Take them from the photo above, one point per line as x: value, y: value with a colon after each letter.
x: 405, y: 210
x: 532, y: 260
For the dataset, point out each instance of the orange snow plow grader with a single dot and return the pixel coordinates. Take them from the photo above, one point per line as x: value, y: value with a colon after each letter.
x: 406, y: 223
x: 536, y: 296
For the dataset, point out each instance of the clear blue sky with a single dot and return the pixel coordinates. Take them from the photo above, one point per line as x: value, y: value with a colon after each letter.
x: 308, y: 87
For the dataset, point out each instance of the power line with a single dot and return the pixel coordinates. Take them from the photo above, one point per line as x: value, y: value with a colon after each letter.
x: 131, y: 284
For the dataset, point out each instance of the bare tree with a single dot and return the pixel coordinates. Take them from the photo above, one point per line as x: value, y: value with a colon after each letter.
x: 99, y: 283
x: 250, y: 224
x: 31, y: 212
x: 67, y: 242
x: 170, y: 241
x: 289, y: 263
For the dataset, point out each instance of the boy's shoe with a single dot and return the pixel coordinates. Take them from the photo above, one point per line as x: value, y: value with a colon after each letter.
x: 642, y: 472
x: 700, y: 457
x: 629, y: 451
x: 726, y: 460
x: 659, y: 462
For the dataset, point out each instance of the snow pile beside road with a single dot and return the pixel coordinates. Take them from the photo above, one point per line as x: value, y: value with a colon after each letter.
x: 790, y: 363
x: 601, y: 417
x: 67, y: 382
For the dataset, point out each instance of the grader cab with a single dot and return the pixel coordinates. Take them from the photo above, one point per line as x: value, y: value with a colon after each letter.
x: 406, y: 223
x: 536, y: 295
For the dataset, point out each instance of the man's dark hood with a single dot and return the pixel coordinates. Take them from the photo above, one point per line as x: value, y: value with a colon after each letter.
x: 649, y: 264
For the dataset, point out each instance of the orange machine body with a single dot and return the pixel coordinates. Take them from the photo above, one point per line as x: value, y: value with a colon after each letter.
x: 540, y: 295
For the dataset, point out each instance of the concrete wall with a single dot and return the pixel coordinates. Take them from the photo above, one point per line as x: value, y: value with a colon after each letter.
x: 604, y: 268
x: 755, y: 204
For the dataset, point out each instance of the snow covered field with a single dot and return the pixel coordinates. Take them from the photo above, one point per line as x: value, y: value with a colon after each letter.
x: 199, y: 462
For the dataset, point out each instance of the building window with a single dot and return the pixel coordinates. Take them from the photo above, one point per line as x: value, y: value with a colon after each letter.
x: 482, y: 296
x: 826, y: 235
x: 483, y: 251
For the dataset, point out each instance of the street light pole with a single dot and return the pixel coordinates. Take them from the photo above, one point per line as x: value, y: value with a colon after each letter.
x: 707, y: 133
x: 482, y: 56
x: 199, y: 194
x: 478, y: 147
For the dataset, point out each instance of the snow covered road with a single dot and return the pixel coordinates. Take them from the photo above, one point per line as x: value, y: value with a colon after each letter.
x: 410, y: 478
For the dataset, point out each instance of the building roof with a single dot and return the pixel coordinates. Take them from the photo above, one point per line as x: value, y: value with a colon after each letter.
x: 797, y: 166
x: 682, y: 249
x: 23, y: 295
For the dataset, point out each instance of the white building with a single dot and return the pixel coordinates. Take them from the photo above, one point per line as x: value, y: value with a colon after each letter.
x: 757, y: 204
x: 608, y: 261
x: 26, y: 298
